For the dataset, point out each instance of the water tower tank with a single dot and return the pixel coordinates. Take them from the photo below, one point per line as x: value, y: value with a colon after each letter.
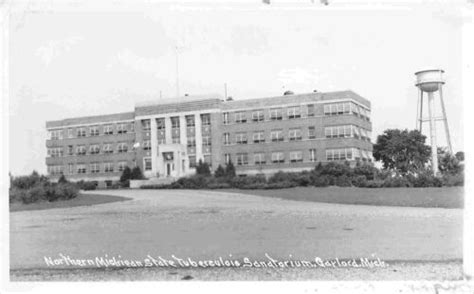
x: 429, y: 80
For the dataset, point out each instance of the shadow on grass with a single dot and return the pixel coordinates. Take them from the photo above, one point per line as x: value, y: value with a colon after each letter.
x: 81, y: 200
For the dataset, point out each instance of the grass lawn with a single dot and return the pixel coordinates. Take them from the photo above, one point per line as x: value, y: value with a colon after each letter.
x: 81, y: 200
x: 445, y: 197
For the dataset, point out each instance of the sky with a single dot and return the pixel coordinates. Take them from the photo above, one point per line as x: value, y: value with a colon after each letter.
x: 80, y: 62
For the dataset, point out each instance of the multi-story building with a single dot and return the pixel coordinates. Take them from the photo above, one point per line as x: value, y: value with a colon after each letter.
x: 167, y: 138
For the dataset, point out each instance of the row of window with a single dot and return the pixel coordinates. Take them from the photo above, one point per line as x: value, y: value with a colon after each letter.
x: 294, y: 112
x: 175, y: 122
x: 261, y: 158
x: 341, y: 108
x: 296, y: 134
x: 83, y: 168
x: 147, y: 163
x: 107, y: 148
x: 91, y: 131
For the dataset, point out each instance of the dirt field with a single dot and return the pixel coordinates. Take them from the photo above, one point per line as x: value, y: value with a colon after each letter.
x: 205, y: 225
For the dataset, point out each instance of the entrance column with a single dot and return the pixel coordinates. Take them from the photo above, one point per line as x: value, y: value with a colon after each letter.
x: 198, y: 123
x: 154, y: 146
x: 183, y: 130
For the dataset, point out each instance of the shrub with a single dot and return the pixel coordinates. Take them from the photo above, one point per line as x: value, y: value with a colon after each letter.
x: 126, y: 175
x: 249, y: 182
x: 359, y: 181
x: 453, y: 180
x: 396, y: 182
x: 193, y: 182
x: 220, y: 172
x: 425, y: 179
x: 87, y: 185
x: 136, y: 174
x: 365, y: 169
x: 343, y: 181
x: 280, y: 185
x: 375, y: 184
x: 203, y: 168
x: 62, y: 179
x: 27, y: 182
x: 219, y: 185
x: 320, y: 181
x: 66, y: 191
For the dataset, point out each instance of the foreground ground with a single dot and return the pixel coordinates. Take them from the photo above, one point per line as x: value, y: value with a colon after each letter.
x: 417, y: 243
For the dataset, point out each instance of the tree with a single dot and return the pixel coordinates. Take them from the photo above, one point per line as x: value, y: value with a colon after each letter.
x: 448, y: 163
x: 220, y: 172
x: 126, y: 175
x: 203, y: 168
x: 230, y: 169
x: 136, y: 174
x: 459, y: 155
x: 62, y: 179
x: 402, y: 151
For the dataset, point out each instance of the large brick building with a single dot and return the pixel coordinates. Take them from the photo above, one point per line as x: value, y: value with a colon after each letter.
x: 167, y: 138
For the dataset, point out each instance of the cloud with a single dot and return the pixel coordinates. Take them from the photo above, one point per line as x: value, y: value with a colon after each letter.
x: 47, y: 53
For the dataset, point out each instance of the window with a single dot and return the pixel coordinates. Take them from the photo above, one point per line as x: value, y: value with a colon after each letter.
x: 122, y: 165
x: 356, y: 132
x: 354, y: 109
x: 147, y: 145
x: 81, y: 168
x: 339, y: 131
x: 122, y: 128
x: 226, y: 139
x: 240, y: 117
x: 225, y: 118
x: 276, y: 114
x: 296, y: 156
x: 277, y: 135
x: 241, y: 138
x: 258, y: 115
x: 108, y: 130
x: 109, y: 167
x: 56, y: 134
x: 312, y: 155
x: 192, y: 161
x: 259, y: 137
x: 146, y: 124
x: 55, y: 169
x: 122, y: 148
x: 94, y: 149
x: 338, y: 108
x: 161, y: 140
x: 311, y: 132
x: 94, y: 131
x: 242, y: 158
x: 70, y: 133
x: 147, y: 163
x: 311, y: 110
x: 70, y: 168
x: 95, y: 167
x: 81, y: 132
x: 259, y: 158
x: 70, y: 150
x: 278, y: 157
x: 160, y: 123
x: 227, y: 158
x: 207, y: 159
x: 206, y: 141
x: 191, y: 142
x: 107, y: 148
x: 176, y: 140
x: 206, y: 119
x: 294, y: 112
x: 295, y: 134
x: 175, y: 122
x: 190, y: 122
x: 55, y: 152
x: 81, y: 150
x: 340, y: 154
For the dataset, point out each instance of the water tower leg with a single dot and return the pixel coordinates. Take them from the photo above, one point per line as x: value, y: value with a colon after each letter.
x: 434, y: 148
x: 420, y: 115
x: 445, y: 120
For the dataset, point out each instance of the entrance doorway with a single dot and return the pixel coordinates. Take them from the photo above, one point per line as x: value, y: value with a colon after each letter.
x: 168, y: 169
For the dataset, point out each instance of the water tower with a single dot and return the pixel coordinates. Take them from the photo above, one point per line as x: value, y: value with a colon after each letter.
x: 431, y: 81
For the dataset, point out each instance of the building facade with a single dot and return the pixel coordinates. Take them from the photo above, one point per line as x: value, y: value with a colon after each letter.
x: 167, y: 138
